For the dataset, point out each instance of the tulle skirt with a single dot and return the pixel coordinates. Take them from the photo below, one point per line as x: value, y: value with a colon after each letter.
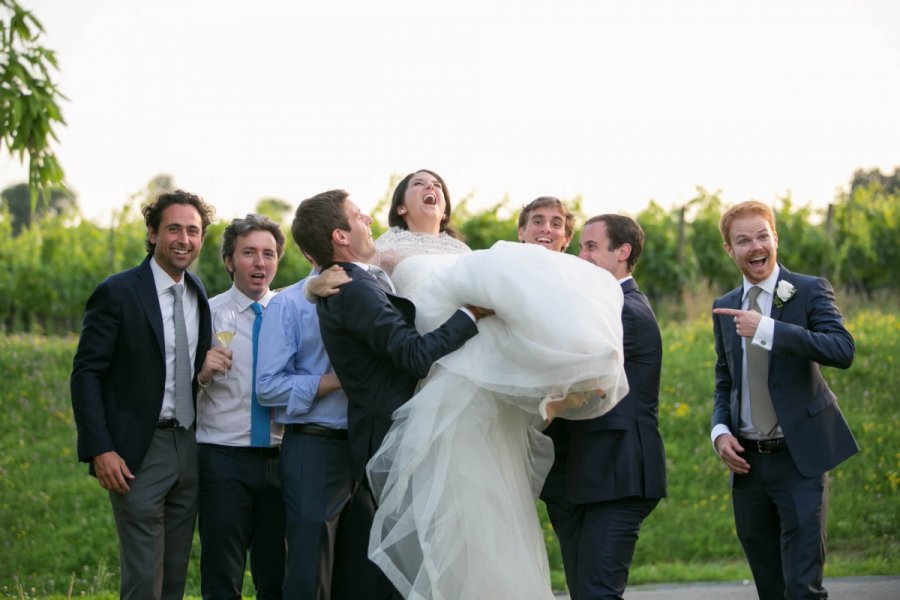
x: 457, y: 476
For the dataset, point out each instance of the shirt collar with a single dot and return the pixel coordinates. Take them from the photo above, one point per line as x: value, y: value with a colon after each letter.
x: 767, y: 284
x: 242, y: 302
x: 162, y: 279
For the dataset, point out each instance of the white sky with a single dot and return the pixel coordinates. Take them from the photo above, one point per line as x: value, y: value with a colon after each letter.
x: 619, y: 101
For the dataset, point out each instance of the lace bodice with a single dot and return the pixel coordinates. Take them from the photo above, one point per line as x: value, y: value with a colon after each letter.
x: 396, y: 244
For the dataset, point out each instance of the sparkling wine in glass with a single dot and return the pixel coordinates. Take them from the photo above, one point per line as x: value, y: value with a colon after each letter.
x: 224, y: 327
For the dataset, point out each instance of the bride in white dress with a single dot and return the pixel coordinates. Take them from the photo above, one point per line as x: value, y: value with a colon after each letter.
x: 457, y: 477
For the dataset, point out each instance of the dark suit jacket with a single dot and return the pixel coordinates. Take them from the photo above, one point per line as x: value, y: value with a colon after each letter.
x: 378, y: 355
x: 119, y: 371
x: 809, y: 332
x: 621, y: 454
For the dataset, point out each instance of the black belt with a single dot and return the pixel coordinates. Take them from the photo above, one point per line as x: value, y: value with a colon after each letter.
x: 167, y: 424
x: 764, y: 446
x: 317, y: 430
x: 263, y: 451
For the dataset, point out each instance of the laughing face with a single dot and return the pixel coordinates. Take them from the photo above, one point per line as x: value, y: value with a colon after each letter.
x: 356, y: 244
x: 594, y: 248
x: 546, y: 226
x: 753, y: 246
x: 423, y: 205
x: 253, y: 263
x: 178, y: 239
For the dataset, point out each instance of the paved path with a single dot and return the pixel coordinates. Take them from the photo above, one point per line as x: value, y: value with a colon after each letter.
x: 851, y: 588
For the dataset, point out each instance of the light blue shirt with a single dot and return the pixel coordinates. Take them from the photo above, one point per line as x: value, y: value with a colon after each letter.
x: 292, y: 360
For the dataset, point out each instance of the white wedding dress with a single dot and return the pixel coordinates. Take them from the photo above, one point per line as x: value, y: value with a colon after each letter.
x: 458, y: 474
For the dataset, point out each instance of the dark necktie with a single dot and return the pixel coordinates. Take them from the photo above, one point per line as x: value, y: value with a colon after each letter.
x: 184, y: 395
x: 259, y: 415
x: 762, y: 413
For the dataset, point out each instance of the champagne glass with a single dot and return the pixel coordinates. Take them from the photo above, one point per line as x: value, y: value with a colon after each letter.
x: 224, y: 327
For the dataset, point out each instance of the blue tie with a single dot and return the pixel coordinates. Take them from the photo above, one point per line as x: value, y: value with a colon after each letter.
x: 259, y: 415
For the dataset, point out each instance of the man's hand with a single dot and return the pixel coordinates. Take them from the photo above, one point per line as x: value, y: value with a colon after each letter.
x: 328, y: 383
x: 745, y: 321
x: 328, y: 282
x: 557, y: 405
x: 217, y: 362
x: 112, y: 472
x: 727, y: 448
x: 479, y: 312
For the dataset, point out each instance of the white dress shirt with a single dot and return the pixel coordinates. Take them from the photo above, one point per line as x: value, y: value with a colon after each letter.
x: 191, y: 321
x: 223, y: 407
x: 764, y: 337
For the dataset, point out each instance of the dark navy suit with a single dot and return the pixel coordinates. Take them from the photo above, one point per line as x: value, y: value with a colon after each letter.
x: 379, y: 356
x: 780, y: 505
x: 118, y: 380
x: 611, y: 471
x: 119, y: 370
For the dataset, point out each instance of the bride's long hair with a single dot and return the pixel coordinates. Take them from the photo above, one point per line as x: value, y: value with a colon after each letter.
x: 395, y: 220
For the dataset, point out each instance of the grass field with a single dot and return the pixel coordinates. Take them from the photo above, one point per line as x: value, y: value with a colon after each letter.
x: 56, y: 529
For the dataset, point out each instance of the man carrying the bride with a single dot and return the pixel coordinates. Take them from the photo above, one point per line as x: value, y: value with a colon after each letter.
x: 370, y: 335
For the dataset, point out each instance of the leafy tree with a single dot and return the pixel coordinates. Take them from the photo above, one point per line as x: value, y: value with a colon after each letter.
x: 481, y: 229
x: 159, y: 184
x: 867, y: 239
x: 801, y: 245
x: 17, y: 200
x: 275, y: 208
x: 890, y: 183
x: 29, y: 100
x: 661, y: 273
x: 705, y: 240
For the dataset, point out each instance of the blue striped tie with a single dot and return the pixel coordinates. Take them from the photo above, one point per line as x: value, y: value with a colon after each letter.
x: 259, y: 415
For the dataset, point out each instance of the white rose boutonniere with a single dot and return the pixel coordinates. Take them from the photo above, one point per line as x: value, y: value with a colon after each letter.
x: 784, y: 291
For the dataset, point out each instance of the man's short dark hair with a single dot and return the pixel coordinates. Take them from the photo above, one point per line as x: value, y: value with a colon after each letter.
x: 315, y: 220
x: 622, y: 230
x: 153, y: 212
x: 252, y: 222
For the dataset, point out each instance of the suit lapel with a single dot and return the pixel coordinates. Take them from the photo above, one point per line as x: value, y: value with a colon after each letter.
x: 783, y: 274
x: 204, y: 334
x: 406, y: 307
x: 149, y: 299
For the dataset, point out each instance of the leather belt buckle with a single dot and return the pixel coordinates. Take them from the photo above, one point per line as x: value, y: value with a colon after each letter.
x: 770, y: 446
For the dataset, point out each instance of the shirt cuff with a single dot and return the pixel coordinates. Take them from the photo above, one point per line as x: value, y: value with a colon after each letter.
x: 718, y: 430
x: 307, y: 294
x: 470, y: 313
x: 765, y: 333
